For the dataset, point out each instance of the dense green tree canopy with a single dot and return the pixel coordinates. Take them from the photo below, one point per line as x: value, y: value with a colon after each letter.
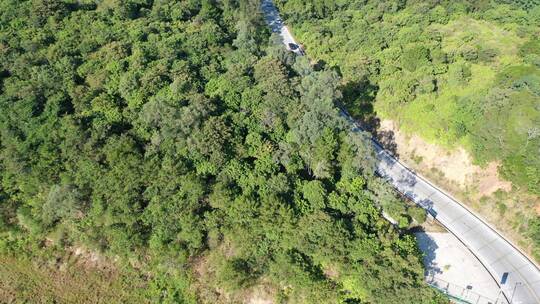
x: 443, y: 69
x: 170, y: 132
x: 457, y: 73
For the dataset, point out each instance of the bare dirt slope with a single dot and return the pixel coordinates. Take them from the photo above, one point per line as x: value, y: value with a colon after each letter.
x: 456, y: 166
x: 481, y: 188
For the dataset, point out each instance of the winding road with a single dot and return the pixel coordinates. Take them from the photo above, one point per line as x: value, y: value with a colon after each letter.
x: 516, y: 274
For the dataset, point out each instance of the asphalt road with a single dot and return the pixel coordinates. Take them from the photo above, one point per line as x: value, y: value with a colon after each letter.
x: 521, y: 284
x: 452, y: 267
x: 517, y: 275
x: 271, y: 14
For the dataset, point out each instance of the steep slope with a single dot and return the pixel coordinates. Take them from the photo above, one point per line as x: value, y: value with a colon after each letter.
x: 457, y: 74
x: 172, y: 138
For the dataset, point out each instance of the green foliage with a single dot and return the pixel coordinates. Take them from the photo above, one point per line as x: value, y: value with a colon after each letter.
x: 315, y: 194
x: 170, y: 286
x: 165, y: 132
x: 61, y: 203
x: 457, y: 73
x: 418, y: 214
x: 26, y: 221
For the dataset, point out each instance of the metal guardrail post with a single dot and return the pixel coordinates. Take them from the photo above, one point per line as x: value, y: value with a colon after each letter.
x: 460, y: 294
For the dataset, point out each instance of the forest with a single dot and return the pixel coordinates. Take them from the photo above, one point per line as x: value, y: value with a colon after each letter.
x: 457, y: 73
x: 179, y: 140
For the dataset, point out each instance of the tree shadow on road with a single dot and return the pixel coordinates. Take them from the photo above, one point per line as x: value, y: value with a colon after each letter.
x: 428, y: 247
x: 388, y: 140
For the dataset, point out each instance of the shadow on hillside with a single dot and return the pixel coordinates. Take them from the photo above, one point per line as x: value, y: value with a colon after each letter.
x: 358, y: 99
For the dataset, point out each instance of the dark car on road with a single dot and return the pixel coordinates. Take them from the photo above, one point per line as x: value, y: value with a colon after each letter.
x: 296, y: 48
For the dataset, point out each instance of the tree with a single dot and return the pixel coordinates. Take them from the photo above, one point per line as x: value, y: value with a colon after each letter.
x: 63, y: 202
x: 172, y: 137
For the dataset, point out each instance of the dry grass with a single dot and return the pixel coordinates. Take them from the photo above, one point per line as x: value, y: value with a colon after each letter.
x: 23, y: 281
x: 431, y: 225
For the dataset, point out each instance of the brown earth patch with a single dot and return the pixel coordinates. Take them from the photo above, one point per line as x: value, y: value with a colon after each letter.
x: 456, y: 165
x: 507, y: 208
x: 331, y: 272
x: 489, y: 181
x: 431, y: 225
x: 260, y: 294
x: 209, y: 289
x: 90, y: 259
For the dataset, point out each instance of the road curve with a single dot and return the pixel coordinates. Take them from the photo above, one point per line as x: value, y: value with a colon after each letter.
x: 514, y: 272
x: 521, y: 284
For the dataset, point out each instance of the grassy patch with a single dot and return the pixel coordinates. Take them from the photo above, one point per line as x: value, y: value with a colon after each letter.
x: 24, y: 281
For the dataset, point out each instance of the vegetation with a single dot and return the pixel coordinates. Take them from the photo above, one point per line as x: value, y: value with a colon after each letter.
x: 173, y: 138
x: 458, y: 73
x: 22, y: 281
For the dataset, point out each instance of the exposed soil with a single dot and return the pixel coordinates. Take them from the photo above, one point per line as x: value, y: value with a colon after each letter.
x: 260, y: 294
x: 480, y: 188
x: 90, y: 259
x: 431, y: 225
x: 207, y: 285
x: 489, y: 181
x: 331, y: 272
x: 257, y: 300
x: 456, y: 166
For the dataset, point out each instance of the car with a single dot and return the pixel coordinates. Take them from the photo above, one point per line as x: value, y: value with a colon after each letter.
x: 293, y: 46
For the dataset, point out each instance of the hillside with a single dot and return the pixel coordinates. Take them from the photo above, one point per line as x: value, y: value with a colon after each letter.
x: 177, y: 142
x: 447, y: 76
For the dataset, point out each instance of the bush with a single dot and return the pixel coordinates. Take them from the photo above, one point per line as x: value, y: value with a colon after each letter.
x: 418, y: 214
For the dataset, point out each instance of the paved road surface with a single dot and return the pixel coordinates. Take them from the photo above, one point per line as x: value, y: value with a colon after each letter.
x: 452, y: 267
x: 522, y: 283
x: 518, y: 277
x: 273, y: 19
